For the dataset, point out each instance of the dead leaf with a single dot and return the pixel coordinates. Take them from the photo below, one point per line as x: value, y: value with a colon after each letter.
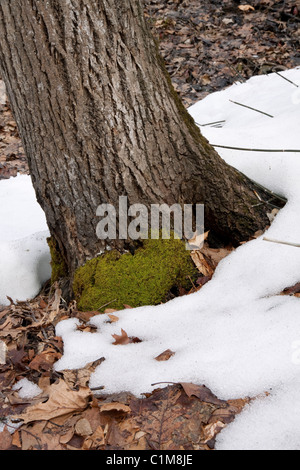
x: 114, y: 406
x: 211, y: 430
x: 80, y: 377
x: 113, y: 318
x: 121, y: 339
x: 202, y: 392
x: 56, y: 302
x: 246, y: 8
x: 207, y: 259
x: 292, y: 290
x: 83, y: 428
x: 165, y: 356
x: 62, y: 400
x: 96, y: 440
x: 5, y: 439
x: 196, y: 242
x: 45, y: 360
x: 203, y: 266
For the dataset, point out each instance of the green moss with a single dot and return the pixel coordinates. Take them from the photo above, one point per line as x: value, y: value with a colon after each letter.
x: 58, y: 265
x: 145, y: 278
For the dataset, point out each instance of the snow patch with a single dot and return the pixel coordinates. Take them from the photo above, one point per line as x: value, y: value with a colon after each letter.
x: 24, y: 253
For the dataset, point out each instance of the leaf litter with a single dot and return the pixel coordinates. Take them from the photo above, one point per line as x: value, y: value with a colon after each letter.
x: 68, y: 415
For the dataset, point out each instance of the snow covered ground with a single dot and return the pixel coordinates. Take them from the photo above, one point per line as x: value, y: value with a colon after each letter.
x: 237, y: 335
x: 24, y: 253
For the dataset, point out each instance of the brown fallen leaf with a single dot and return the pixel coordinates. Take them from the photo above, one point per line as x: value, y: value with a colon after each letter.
x: 113, y: 318
x: 45, y: 360
x: 96, y: 440
x: 202, y: 392
x: 80, y: 377
x: 246, y: 8
x: 121, y: 339
x: 5, y: 439
x: 197, y: 240
x: 211, y: 430
x: 207, y: 259
x: 124, y: 339
x: 204, y: 267
x: 56, y: 302
x: 165, y: 356
x: 62, y: 400
x: 292, y: 290
x: 83, y: 428
x: 114, y: 406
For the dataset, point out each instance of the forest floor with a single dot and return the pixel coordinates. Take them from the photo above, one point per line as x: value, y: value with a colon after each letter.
x: 207, y: 46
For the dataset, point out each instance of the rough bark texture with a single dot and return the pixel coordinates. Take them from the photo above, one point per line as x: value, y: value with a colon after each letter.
x: 99, y: 119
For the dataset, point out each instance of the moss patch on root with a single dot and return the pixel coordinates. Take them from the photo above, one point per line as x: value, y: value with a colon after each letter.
x: 147, y: 277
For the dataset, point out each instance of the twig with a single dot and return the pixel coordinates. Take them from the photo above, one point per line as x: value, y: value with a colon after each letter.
x: 257, y: 150
x: 210, y: 123
x: 108, y: 303
x: 284, y: 78
x: 268, y: 191
x: 253, y: 109
x: 158, y: 383
x: 297, y: 245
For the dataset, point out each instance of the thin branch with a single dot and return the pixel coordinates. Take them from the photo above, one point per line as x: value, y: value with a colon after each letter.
x: 253, y: 109
x: 210, y: 123
x: 284, y: 78
x: 268, y: 191
x: 257, y: 150
x: 297, y: 245
x: 105, y: 305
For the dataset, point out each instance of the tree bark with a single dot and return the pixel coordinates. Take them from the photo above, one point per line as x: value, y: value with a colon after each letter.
x: 99, y: 119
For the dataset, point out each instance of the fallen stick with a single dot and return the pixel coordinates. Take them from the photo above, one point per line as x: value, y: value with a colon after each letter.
x: 297, y: 245
x: 284, y: 78
x: 253, y: 109
x: 257, y: 150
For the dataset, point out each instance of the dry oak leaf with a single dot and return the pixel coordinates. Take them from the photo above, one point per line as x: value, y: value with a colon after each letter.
x: 62, y: 400
x: 165, y: 356
x: 121, y: 339
x: 124, y: 339
x: 202, y: 392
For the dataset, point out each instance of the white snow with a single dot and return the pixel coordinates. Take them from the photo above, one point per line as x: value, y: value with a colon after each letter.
x: 27, y: 389
x: 237, y: 335
x: 24, y: 253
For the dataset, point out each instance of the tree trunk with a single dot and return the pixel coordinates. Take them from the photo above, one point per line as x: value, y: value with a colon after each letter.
x: 99, y: 119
